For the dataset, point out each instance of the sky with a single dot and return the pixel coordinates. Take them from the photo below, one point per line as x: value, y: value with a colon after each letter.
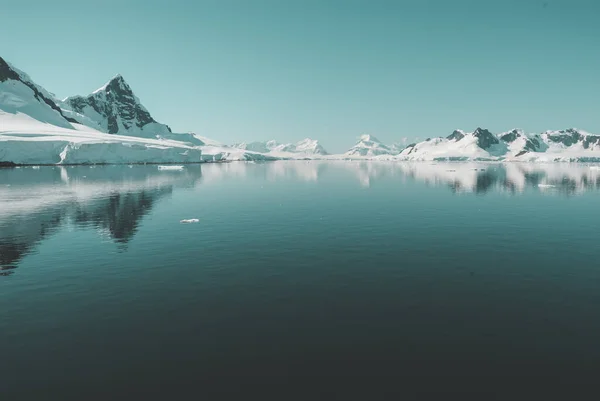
x: 245, y: 70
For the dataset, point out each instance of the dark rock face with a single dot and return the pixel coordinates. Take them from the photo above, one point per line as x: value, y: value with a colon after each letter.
x: 510, y: 136
x: 456, y: 135
x: 566, y: 137
x: 534, y: 141
x: 485, y: 138
x: 6, y: 73
x: 411, y: 148
x: 531, y: 144
x: 591, y: 140
x: 117, y: 103
x: 4, y: 164
x: 571, y: 136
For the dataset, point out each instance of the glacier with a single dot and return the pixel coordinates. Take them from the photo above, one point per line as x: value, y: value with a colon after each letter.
x: 110, y: 126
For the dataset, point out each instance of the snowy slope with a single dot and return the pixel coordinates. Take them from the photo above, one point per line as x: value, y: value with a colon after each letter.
x: 257, y: 146
x: 114, y: 109
x: 227, y: 153
x: 35, y: 130
x: 304, y: 148
x: 310, y: 146
x: 25, y: 140
x: 369, y: 146
x: 568, y: 145
x: 19, y: 94
x: 514, y: 145
x: 112, y: 126
x: 519, y: 143
x: 478, y: 145
x: 108, y: 126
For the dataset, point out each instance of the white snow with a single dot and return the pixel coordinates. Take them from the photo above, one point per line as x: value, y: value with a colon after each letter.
x: 189, y: 221
x: 369, y: 146
x: 103, y: 87
x: 467, y: 148
x: 174, y: 168
x: 16, y: 97
x: 36, y: 128
x: 449, y: 149
x: 302, y: 149
x: 24, y: 140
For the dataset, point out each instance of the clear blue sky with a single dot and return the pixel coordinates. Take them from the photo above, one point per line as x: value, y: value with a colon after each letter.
x: 247, y: 70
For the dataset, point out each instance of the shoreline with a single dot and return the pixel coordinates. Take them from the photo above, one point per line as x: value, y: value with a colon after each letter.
x: 4, y: 164
x: 10, y: 165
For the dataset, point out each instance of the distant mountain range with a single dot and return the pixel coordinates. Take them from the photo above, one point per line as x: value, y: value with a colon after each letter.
x: 304, y: 147
x: 515, y: 145
x: 112, y: 126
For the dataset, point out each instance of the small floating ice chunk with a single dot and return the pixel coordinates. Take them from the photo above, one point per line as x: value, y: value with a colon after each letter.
x: 170, y: 167
x: 189, y: 221
x: 36, y: 167
x: 546, y: 186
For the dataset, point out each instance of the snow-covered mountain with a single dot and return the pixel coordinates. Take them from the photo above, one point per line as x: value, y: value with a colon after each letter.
x: 20, y: 95
x: 306, y: 147
x: 310, y: 146
x: 515, y: 145
x: 112, y: 126
x: 368, y: 145
x: 35, y: 130
x: 257, y: 146
x: 108, y: 126
x: 115, y: 109
x: 460, y: 145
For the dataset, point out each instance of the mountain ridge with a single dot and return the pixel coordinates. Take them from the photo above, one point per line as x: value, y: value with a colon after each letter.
x: 306, y: 146
x: 115, y: 109
x: 113, y: 112
x: 10, y: 73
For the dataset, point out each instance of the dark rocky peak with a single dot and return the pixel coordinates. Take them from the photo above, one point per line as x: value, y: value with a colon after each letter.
x: 6, y: 72
x: 457, y: 135
x: 511, y: 136
x: 572, y: 136
x: 567, y: 137
x: 118, y: 86
x: 482, y: 132
x: 485, y: 138
x: 120, y: 109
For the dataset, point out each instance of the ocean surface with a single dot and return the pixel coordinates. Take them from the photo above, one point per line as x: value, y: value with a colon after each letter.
x: 300, y: 280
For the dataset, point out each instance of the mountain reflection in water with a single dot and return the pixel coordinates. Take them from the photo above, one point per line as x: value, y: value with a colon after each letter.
x: 112, y: 199
x: 34, y: 203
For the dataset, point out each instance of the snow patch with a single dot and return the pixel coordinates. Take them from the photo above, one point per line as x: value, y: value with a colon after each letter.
x: 189, y: 221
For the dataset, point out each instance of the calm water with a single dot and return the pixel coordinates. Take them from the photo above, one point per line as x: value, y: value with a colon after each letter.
x: 302, y: 280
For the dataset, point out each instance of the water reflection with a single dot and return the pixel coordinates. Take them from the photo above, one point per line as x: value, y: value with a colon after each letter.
x: 477, y: 178
x: 113, y: 199
x: 515, y: 178
x: 34, y: 203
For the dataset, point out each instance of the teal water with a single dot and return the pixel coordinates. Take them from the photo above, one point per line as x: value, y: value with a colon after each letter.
x: 301, y: 280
